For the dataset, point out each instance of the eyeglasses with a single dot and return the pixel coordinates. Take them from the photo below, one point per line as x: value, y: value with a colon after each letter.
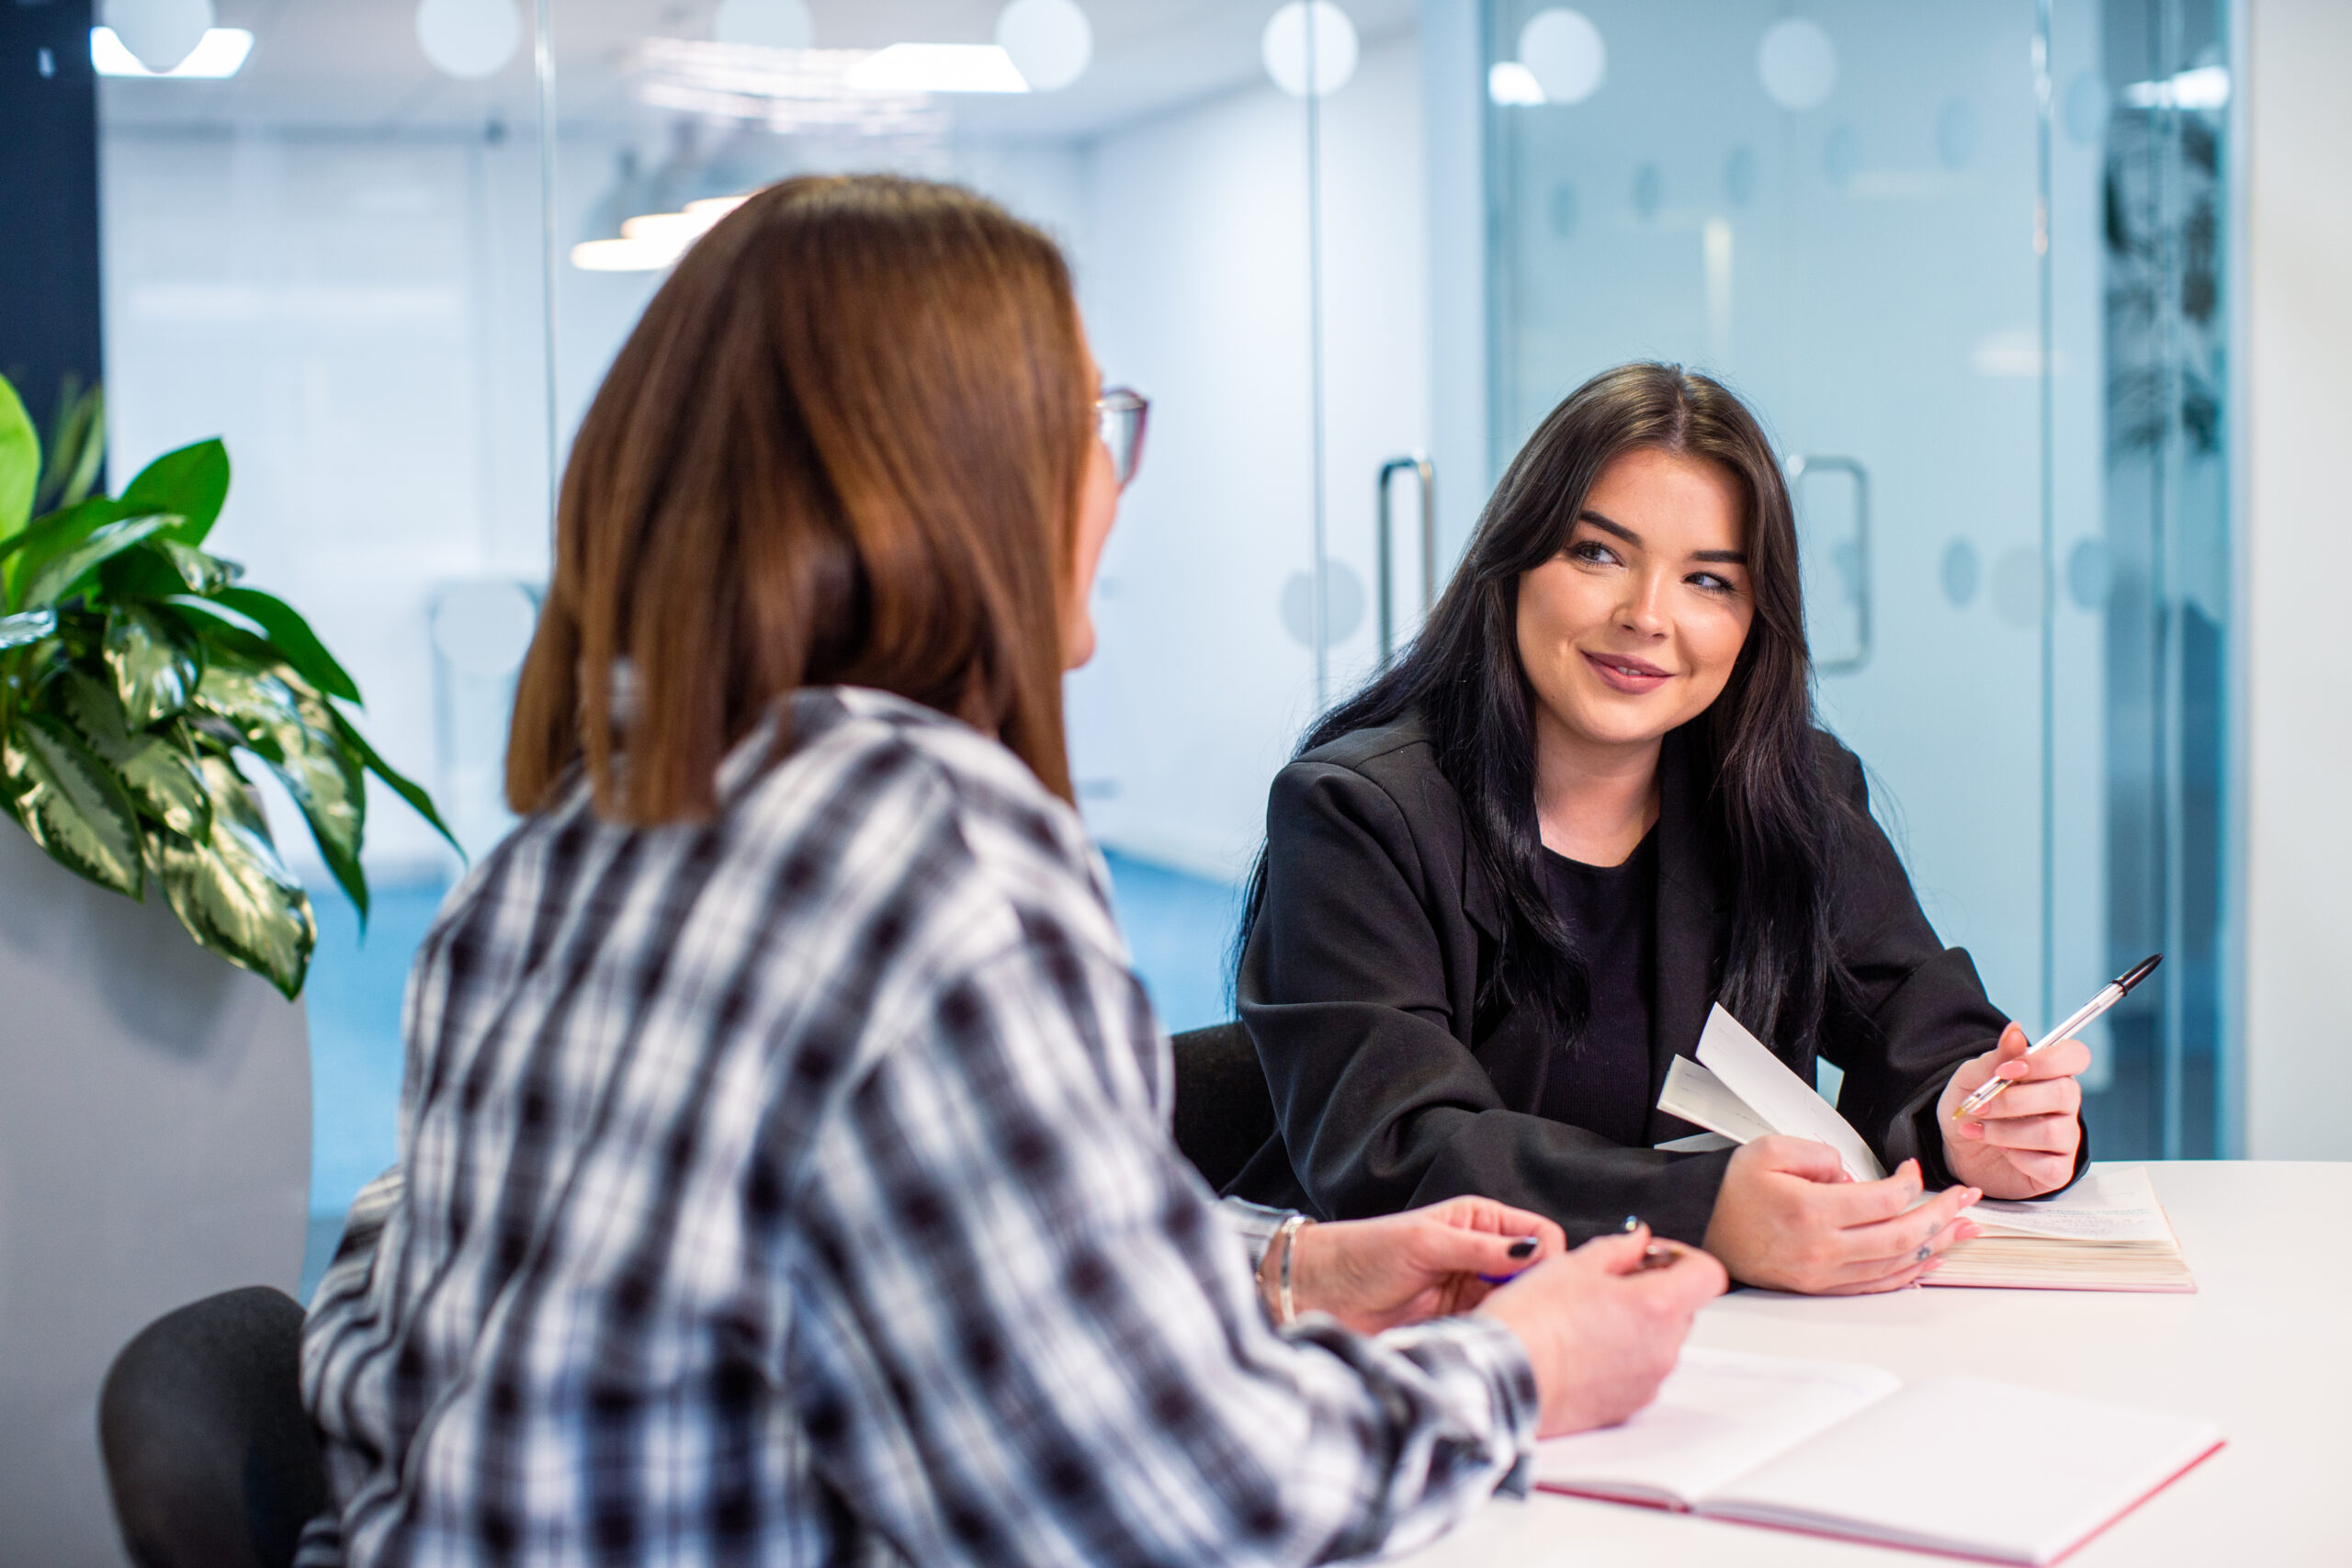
x: 1120, y: 415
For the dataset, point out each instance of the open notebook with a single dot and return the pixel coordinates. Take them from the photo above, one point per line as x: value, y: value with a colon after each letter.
x: 1843, y: 1450
x: 2108, y: 1232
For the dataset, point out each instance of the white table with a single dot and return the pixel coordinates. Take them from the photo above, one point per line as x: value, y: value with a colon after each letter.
x: 2264, y: 1349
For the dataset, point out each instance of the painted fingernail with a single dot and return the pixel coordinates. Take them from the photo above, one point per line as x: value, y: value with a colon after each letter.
x: 1523, y: 1247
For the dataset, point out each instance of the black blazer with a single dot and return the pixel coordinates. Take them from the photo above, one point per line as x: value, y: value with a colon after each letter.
x: 1392, y: 1088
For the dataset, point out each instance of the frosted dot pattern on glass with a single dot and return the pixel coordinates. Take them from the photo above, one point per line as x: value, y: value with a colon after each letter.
x: 1739, y: 175
x: 1649, y: 191
x: 2017, y: 587
x: 1841, y: 155
x: 1962, y: 572
x: 1051, y: 42
x: 1283, y: 47
x: 1797, y: 63
x: 1564, y: 52
x: 469, y: 38
x: 1560, y: 210
x: 1342, y: 609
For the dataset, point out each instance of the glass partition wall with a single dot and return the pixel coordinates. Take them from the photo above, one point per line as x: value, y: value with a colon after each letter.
x: 1966, y: 259
x: 1964, y: 256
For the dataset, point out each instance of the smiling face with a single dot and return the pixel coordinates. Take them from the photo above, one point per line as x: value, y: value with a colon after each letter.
x: 1634, y: 627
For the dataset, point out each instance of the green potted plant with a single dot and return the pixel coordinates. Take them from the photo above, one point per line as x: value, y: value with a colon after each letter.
x: 135, y: 667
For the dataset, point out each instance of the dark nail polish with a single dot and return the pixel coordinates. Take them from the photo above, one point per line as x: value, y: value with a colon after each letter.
x: 1523, y: 1247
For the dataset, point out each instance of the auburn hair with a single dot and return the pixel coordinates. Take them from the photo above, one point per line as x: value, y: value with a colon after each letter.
x: 843, y: 445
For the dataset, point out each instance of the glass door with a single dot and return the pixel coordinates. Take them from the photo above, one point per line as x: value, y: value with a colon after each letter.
x: 1834, y: 213
x: 1964, y: 260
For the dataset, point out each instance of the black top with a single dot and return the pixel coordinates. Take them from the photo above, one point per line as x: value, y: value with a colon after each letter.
x: 1392, y: 1086
x: 1602, y: 1081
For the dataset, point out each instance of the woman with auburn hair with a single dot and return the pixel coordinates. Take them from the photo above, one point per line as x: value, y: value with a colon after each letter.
x: 785, y: 1163
x: 1503, y: 883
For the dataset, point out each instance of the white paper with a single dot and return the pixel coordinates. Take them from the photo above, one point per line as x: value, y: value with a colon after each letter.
x: 1776, y: 1097
x: 2109, y: 1203
x: 1719, y: 1414
x: 1698, y: 1144
x: 1882, y: 1475
x: 1699, y: 1097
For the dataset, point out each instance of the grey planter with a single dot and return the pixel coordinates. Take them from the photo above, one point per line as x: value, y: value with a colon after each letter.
x: 155, y: 1147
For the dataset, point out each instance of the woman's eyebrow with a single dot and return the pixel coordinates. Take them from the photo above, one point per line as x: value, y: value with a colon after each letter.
x: 1729, y: 557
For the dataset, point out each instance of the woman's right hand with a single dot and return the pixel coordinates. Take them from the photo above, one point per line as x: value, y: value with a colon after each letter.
x: 1789, y: 1218
x: 1602, y: 1331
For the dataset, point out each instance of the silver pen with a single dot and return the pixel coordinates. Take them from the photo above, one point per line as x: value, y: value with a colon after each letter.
x: 1984, y: 1094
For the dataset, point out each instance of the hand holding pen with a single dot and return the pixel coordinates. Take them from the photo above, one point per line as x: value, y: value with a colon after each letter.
x: 2012, y: 1118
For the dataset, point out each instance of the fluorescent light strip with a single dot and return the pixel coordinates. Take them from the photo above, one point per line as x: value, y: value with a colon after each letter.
x: 937, y: 68
x: 220, y: 54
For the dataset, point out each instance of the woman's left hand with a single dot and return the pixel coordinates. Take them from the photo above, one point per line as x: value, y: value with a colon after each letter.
x: 2024, y: 1143
x: 1423, y: 1263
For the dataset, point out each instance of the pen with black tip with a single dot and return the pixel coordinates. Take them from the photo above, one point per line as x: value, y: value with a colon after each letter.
x: 1984, y: 1094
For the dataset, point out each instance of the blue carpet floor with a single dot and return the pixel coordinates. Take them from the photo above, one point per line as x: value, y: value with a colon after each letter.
x: 1178, y: 925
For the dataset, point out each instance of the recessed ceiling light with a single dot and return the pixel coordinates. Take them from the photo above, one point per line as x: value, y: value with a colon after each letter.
x: 220, y: 54
x: 937, y: 68
x: 625, y: 256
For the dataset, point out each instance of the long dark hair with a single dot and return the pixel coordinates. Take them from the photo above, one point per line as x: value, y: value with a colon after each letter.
x: 1770, y: 819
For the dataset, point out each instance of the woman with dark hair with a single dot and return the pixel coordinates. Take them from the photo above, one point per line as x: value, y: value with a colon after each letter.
x: 784, y: 1161
x: 1503, y: 883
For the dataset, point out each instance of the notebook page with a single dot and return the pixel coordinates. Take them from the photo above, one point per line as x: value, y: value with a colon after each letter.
x: 1882, y: 1476
x: 1699, y: 1097
x: 2109, y: 1203
x: 1776, y: 1097
x: 1719, y: 1414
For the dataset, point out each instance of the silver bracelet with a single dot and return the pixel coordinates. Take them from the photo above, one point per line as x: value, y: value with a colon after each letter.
x: 1287, y: 1237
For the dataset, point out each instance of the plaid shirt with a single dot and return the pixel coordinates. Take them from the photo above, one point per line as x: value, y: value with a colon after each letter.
x: 795, y: 1188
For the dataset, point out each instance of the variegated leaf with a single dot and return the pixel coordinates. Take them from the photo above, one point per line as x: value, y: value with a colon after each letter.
x: 72, y: 804
x: 56, y: 578
x: 202, y: 573
x: 261, y: 708
x: 165, y: 783
x: 154, y: 670
x: 231, y: 892
x: 290, y: 726
x: 31, y: 626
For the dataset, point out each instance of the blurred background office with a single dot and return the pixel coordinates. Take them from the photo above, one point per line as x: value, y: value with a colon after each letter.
x: 2043, y: 299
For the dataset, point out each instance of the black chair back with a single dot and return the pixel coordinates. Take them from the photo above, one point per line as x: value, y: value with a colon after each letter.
x: 1223, y: 1113
x: 211, y: 1459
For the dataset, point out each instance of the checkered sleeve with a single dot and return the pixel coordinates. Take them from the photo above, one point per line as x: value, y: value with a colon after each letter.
x: 1024, y: 1334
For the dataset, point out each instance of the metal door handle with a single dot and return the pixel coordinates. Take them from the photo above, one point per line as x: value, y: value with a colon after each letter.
x: 1799, y: 466
x: 1426, y: 472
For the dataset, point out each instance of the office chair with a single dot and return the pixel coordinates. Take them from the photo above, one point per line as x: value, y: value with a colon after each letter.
x: 211, y: 1456
x: 1223, y: 1113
